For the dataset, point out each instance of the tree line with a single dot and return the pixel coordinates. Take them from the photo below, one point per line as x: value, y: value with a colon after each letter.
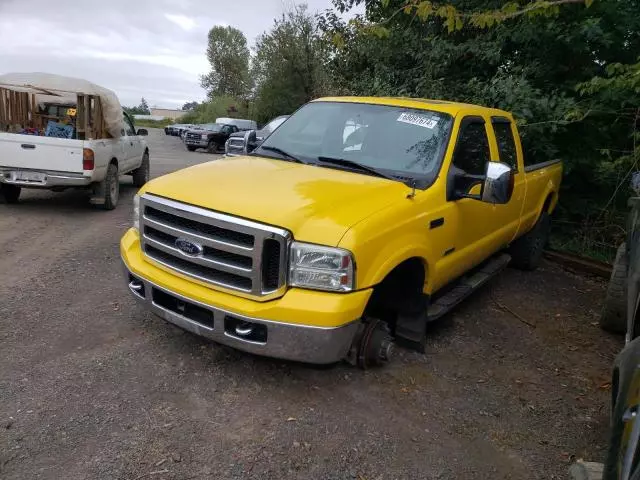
x: 569, y: 70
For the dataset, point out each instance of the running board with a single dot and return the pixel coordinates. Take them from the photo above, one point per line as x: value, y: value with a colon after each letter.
x: 466, y: 285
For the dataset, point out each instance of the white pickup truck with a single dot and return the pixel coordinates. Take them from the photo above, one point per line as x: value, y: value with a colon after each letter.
x: 59, y: 132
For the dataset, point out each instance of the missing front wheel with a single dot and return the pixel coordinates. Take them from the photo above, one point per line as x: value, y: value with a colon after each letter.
x: 372, y: 345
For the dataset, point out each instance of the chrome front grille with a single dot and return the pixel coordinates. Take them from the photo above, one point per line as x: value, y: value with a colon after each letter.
x: 230, y: 253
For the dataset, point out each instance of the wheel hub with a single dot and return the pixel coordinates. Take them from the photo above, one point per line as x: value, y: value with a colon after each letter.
x: 373, y: 345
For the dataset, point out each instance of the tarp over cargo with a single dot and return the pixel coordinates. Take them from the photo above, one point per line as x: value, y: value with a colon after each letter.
x: 65, y: 88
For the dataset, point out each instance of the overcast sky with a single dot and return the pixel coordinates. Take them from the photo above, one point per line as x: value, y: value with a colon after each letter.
x: 150, y: 48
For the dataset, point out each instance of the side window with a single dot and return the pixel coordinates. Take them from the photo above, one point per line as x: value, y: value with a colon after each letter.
x: 506, y: 142
x: 472, y: 148
x: 128, y: 125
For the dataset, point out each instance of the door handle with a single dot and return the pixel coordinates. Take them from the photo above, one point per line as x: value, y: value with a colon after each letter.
x: 28, y: 146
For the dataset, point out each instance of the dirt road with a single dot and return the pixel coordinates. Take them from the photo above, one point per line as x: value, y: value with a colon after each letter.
x: 513, y: 384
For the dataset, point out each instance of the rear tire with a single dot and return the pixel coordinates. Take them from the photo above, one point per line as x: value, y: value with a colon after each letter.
x: 10, y: 193
x: 614, y: 312
x: 141, y: 174
x: 111, y: 188
x: 526, y: 252
x: 191, y: 148
x: 212, y: 147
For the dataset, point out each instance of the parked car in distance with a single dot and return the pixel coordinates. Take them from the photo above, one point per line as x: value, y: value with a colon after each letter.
x: 235, y: 144
x: 430, y: 199
x: 211, y: 136
x: 240, y: 123
x: 177, y: 129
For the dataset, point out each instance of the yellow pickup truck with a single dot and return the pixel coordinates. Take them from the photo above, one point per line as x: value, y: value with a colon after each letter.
x: 353, y: 225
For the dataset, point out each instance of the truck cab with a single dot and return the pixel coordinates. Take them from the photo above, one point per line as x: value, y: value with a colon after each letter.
x: 353, y: 225
x: 211, y: 136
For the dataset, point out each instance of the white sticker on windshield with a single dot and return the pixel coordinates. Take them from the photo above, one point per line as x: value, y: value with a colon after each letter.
x: 419, y: 120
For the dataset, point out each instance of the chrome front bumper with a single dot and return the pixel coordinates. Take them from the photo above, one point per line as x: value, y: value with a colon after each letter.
x: 281, y: 340
x: 51, y: 179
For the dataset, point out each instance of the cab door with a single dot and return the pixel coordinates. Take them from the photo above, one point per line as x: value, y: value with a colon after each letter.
x: 475, y: 220
x: 509, y: 215
x: 132, y: 144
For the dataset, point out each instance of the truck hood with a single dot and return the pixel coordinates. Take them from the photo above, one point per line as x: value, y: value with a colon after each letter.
x: 316, y: 204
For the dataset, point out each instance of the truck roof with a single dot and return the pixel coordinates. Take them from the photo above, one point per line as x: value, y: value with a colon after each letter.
x: 445, y: 106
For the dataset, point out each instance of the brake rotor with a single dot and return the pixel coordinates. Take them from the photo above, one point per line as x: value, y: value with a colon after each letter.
x: 374, y: 344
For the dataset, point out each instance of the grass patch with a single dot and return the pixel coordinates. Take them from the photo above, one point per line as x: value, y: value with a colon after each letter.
x: 154, y: 123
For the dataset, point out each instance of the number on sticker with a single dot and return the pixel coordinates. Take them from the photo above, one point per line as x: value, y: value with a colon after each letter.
x: 419, y: 120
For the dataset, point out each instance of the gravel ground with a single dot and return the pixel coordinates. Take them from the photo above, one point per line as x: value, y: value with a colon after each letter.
x: 514, y: 383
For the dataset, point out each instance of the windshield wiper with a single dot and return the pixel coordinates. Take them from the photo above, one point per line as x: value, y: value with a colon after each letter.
x: 357, y: 166
x: 269, y: 148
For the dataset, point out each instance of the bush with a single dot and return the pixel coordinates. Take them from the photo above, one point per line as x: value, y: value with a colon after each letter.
x: 153, y: 123
x: 225, y: 106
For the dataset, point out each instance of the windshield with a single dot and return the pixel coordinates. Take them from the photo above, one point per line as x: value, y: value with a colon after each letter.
x: 273, y: 124
x: 214, y: 127
x: 398, y: 141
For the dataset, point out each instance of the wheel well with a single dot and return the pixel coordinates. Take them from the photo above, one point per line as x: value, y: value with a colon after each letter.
x: 547, y: 202
x: 399, y: 292
x: 114, y: 161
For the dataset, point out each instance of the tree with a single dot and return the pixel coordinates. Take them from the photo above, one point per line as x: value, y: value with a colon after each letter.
x: 289, y: 65
x: 549, y: 62
x: 189, y: 106
x: 228, y: 55
x: 220, y: 106
x: 144, y: 107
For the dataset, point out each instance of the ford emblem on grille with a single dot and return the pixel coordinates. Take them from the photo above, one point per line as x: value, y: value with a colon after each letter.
x: 187, y: 247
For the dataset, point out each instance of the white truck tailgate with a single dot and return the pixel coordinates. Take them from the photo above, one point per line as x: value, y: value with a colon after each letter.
x: 40, y: 153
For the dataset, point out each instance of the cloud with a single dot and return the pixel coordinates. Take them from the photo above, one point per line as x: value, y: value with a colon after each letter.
x: 186, y: 23
x: 150, y: 48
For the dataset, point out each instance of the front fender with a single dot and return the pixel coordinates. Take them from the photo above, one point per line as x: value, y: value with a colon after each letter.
x: 376, y: 260
x: 387, y: 265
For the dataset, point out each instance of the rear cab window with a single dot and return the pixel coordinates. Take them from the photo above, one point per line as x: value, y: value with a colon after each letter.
x: 502, y: 127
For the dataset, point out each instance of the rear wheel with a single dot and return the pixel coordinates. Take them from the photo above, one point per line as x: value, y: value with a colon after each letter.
x: 212, y: 147
x: 141, y: 174
x: 526, y: 252
x: 10, y: 193
x: 111, y: 188
x: 614, y: 312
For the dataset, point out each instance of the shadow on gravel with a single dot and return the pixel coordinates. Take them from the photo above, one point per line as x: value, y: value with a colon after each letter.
x: 72, y: 200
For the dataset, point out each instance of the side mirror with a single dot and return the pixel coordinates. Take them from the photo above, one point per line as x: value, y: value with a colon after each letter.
x: 497, y: 187
x: 143, y: 132
x: 250, y: 142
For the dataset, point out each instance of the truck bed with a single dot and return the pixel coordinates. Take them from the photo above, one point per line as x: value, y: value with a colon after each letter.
x: 32, y: 152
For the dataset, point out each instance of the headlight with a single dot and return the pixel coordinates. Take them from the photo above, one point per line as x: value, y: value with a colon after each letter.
x: 321, y: 268
x: 203, y: 137
x: 136, y: 212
